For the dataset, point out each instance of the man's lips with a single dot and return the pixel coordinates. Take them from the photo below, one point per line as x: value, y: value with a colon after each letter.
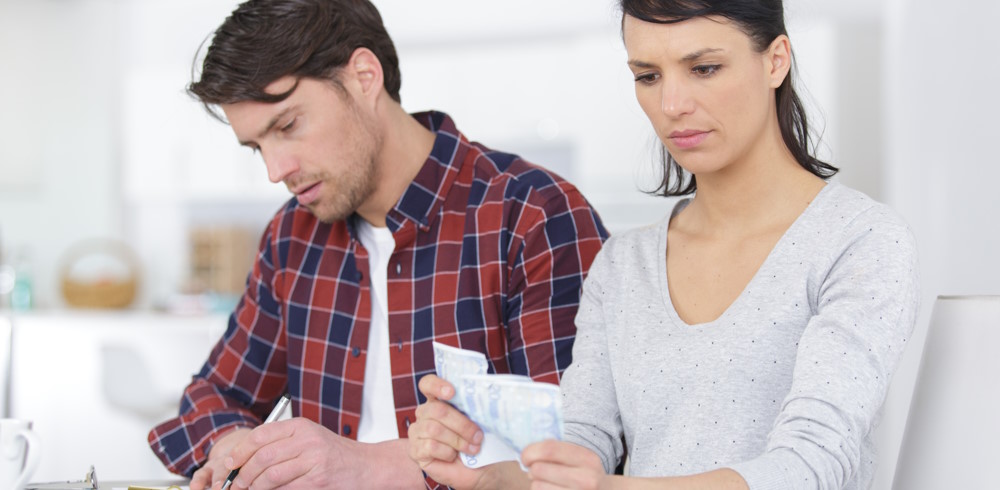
x: 306, y: 194
x: 688, y: 138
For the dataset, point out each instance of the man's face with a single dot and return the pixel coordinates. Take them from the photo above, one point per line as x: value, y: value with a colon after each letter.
x: 316, y: 141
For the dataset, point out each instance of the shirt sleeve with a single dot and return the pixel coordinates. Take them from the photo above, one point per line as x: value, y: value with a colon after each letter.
x: 244, y: 375
x: 590, y: 407
x: 561, y: 239
x: 865, y: 312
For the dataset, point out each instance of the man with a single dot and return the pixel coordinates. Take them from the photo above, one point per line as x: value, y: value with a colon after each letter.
x: 402, y: 232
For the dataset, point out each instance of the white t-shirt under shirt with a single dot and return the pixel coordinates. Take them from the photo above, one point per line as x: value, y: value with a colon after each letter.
x: 378, y: 409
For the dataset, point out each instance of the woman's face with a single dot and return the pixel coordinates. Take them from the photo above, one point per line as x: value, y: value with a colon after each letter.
x: 707, y: 91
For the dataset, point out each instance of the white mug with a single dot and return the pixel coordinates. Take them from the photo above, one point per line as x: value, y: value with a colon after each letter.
x: 19, y: 452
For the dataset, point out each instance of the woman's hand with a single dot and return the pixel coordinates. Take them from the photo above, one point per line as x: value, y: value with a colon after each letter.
x: 554, y: 464
x: 440, y: 433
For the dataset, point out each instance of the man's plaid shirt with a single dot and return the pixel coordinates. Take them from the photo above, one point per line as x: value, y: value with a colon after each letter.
x: 491, y: 254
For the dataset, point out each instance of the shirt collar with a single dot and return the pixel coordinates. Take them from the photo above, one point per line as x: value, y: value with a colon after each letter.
x: 423, y: 198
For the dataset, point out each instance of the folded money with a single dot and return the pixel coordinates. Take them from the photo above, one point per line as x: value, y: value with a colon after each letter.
x: 513, y: 411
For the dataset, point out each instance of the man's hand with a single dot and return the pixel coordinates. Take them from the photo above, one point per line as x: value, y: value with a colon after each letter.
x: 440, y: 433
x: 214, y: 472
x: 300, y: 454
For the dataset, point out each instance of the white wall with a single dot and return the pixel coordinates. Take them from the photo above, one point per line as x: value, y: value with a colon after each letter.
x: 941, y: 105
x: 58, y: 130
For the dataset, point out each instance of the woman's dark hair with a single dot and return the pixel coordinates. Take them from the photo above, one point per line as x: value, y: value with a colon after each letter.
x: 763, y: 21
x: 264, y: 40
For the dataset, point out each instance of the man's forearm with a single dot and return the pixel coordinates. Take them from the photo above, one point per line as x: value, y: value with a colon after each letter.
x: 391, y: 467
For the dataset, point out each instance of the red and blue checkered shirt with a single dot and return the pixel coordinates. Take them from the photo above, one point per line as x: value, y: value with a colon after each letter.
x: 491, y: 253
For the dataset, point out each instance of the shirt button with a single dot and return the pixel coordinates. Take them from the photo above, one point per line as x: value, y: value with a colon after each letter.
x: 360, y: 275
x: 356, y: 351
x: 347, y: 430
x: 399, y: 268
x: 407, y: 422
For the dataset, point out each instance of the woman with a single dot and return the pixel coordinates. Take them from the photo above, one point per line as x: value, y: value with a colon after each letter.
x: 745, y: 341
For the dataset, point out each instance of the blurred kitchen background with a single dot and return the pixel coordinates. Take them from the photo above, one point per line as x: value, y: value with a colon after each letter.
x: 128, y: 217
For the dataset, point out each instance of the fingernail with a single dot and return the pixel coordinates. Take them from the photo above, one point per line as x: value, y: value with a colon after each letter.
x: 476, y: 439
x: 445, y: 391
x: 229, y: 463
x: 473, y: 449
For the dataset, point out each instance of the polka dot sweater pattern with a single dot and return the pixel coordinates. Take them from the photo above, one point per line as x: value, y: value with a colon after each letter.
x: 785, y: 387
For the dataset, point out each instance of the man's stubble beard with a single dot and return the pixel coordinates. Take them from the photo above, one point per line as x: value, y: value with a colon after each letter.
x: 359, y: 183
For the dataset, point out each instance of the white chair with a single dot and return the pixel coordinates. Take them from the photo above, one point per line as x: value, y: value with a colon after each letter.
x: 6, y: 340
x: 952, y: 436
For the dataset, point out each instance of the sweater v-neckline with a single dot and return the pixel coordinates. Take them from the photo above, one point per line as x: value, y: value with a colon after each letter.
x: 768, y: 262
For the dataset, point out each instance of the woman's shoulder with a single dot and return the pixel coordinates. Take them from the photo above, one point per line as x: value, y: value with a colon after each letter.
x: 855, y: 216
x: 850, y: 208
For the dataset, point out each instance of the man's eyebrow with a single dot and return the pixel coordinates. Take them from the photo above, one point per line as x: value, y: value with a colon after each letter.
x: 270, y: 125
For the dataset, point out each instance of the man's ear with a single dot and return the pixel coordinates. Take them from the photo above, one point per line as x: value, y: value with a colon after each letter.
x: 779, y: 60
x: 366, y: 69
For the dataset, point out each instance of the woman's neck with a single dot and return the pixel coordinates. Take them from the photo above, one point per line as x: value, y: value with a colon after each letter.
x: 768, y: 188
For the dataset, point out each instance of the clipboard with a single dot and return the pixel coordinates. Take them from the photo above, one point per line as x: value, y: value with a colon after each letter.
x: 112, y: 485
x: 90, y: 482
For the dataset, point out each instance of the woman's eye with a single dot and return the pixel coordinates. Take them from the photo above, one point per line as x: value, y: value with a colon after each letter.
x: 705, y: 70
x: 646, y: 78
x: 289, y: 126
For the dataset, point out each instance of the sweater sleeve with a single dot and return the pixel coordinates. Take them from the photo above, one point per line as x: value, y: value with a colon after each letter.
x: 590, y: 407
x: 865, y: 311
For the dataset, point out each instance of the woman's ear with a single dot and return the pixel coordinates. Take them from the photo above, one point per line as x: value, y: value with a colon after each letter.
x: 779, y: 60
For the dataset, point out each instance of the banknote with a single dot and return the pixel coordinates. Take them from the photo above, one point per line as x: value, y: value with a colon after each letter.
x: 512, y: 410
x: 452, y: 363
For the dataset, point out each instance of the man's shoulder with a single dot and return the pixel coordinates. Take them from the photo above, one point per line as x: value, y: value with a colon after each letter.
x: 519, y: 177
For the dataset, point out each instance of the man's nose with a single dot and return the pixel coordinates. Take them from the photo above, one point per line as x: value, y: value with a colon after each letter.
x: 279, y: 164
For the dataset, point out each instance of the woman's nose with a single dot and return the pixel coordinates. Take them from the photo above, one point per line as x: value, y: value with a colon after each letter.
x: 675, y: 99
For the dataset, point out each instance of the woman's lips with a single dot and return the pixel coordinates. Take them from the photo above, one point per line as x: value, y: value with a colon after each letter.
x: 309, y: 194
x: 688, y: 139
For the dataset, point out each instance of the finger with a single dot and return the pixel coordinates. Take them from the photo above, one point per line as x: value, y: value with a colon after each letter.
x: 553, y: 451
x: 434, y: 387
x: 539, y: 452
x: 263, y: 460
x: 201, y: 479
x: 278, y: 475
x: 450, y: 426
x: 427, y: 451
x: 560, y: 476
x: 433, y: 430
x: 259, y: 437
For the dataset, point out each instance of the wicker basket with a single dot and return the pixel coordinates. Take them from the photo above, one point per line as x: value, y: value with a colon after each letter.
x: 110, y: 292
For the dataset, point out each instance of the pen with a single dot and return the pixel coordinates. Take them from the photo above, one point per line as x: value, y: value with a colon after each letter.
x: 275, y: 413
